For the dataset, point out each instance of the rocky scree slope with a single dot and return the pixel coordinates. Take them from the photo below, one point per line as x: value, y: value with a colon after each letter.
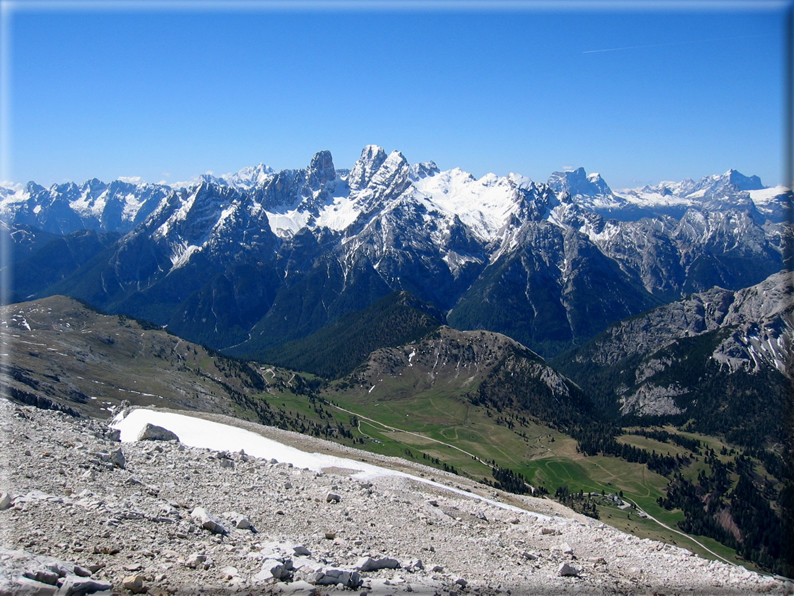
x: 82, y: 513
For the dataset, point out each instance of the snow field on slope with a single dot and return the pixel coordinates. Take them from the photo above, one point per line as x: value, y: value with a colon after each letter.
x: 205, y: 434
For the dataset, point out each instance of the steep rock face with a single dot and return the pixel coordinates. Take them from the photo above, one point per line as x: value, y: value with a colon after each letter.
x: 555, y: 290
x: 590, y: 191
x: 372, y: 158
x: 721, y: 358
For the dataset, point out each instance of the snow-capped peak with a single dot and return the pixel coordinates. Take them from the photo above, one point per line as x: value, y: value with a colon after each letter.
x: 248, y: 177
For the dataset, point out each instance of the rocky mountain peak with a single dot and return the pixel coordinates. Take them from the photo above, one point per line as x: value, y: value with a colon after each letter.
x: 743, y: 182
x: 578, y: 182
x: 372, y: 157
x: 425, y: 169
x: 393, y: 173
x: 249, y: 177
x: 321, y: 170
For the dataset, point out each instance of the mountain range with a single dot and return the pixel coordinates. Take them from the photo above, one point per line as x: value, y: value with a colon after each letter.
x: 495, y: 326
x: 251, y: 260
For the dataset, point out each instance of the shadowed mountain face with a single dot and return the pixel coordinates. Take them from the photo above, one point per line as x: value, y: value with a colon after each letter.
x: 718, y: 360
x: 252, y: 260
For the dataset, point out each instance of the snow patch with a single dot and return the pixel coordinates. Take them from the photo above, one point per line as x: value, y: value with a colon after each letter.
x: 197, y: 432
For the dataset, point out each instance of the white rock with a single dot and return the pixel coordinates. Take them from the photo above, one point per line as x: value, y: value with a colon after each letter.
x: 207, y: 521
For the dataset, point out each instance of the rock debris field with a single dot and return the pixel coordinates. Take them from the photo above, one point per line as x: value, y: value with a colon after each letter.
x: 82, y: 513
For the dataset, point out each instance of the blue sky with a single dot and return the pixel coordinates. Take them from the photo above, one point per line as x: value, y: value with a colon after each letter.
x: 168, y: 94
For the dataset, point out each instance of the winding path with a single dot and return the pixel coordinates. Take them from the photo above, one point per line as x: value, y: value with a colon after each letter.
x: 421, y: 436
x: 408, y: 432
x: 684, y: 534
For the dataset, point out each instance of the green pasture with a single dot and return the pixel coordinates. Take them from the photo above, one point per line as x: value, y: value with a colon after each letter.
x: 414, y: 425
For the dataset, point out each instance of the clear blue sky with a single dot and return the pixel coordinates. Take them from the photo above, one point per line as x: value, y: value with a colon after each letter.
x: 169, y: 94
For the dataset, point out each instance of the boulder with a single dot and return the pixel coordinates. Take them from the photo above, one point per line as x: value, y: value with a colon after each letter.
x: 117, y: 459
x: 152, y: 432
x: 134, y: 583
x: 6, y: 500
x: 277, y: 569
x: 567, y: 570
x: 195, y: 560
x: 564, y: 547
x: 301, y: 551
x: 77, y: 586
x: 30, y: 587
x: 365, y: 564
x: 207, y: 521
x: 331, y: 577
x: 238, y: 520
x: 44, y: 576
x: 332, y: 498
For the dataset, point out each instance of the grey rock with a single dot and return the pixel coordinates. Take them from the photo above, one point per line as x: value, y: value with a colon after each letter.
x: 76, y: 586
x: 567, y: 570
x: 565, y: 548
x: 239, y: 521
x: 58, y: 569
x: 207, y: 521
x: 195, y: 560
x: 365, y: 564
x: 277, y: 569
x: 152, y: 432
x: 117, y: 459
x: 44, y: 576
x: 332, y: 498
x: 134, y: 583
x: 113, y: 434
x: 301, y: 551
x: 30, y: 587
x: 81, y: 572
x: 6, y: 500
x: 330, y: 577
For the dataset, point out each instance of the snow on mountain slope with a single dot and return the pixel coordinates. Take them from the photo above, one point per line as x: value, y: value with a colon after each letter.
x: 484, y: 205
x: 64, y: 208
x: 730, y: 187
